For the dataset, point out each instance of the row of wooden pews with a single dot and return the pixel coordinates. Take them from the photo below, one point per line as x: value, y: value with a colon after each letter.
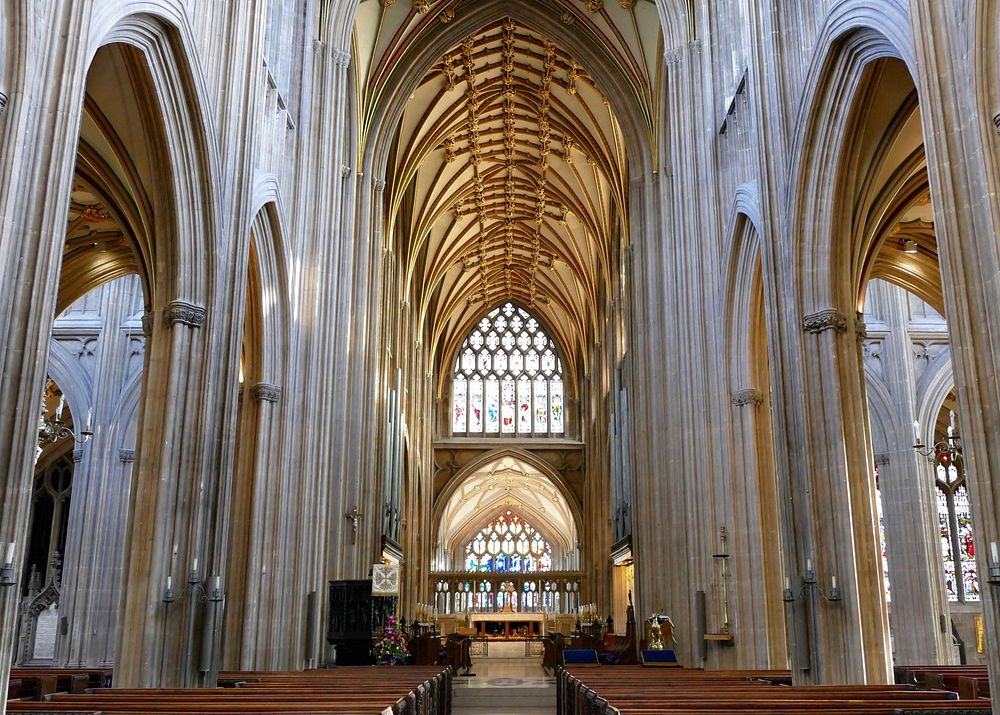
x: 634, y: 690
x: 971, y: 682
x: 403, y: 690
x: 38, y: 683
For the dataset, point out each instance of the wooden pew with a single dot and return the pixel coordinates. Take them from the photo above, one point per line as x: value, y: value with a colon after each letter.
x: 403, y: 690
x: 625, y: 690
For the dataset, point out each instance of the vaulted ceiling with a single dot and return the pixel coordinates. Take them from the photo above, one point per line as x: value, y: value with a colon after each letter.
x: 509, y: 176
x: 508, y: 483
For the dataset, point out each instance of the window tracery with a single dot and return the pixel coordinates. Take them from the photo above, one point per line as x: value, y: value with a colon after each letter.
x: 508, y: 378
x: 508, y: 545
x: 955, y: 524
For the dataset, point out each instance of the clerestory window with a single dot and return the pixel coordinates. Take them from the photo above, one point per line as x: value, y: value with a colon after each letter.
x: 508, y: 378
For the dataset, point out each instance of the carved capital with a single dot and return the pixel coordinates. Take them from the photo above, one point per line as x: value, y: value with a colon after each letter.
x: 881, y: 459
x: 673, y: 56
x: 342, y: 58
x: 147, y: 324
x: 860, y: 329
x: 185, y: 313
x: 127, y: 456
x: 263, y: 392
x: 379, y: 185
x: 820, y: 322
x: 751, y: 397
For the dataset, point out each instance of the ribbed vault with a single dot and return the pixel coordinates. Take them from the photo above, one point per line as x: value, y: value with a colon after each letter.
x: 509, y: 173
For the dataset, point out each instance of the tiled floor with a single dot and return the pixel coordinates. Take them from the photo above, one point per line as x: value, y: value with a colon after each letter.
x: 505, y: 686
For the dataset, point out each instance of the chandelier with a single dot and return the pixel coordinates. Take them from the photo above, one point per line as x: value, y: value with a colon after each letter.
x: 946, y: 452
x: 53, y: 430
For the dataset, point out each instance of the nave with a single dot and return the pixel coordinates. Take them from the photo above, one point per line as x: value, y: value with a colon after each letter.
x: 503, y: 319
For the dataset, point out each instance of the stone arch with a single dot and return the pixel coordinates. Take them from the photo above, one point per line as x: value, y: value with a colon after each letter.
x: 936, y: 388
x: 854, y: 35
x: 268, y: 286
x: 743, y: 261
x: 883, y: 422
x: 161, y: 33
x: 449, y: 489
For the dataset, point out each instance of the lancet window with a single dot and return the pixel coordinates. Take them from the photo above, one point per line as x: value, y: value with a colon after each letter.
x: 508, y: 378
x: 955, y: 523
x: 508, y: 545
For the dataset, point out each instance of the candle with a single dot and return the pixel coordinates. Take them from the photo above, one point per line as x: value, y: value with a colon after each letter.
x: 788, y: 584
x: 916, y: 431
x: 217, y: 583
x: 9, y: 556
x: 194, y: 566
x: 170, y: 583
x: 833, y: 582
x: 90, y: 416
x: 809, y: 564
x: 59, y: 408
x: 951, y: 420
x: 993, y: 553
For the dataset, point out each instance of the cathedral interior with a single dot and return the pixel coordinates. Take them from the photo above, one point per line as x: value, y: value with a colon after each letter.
x: 546, y: 310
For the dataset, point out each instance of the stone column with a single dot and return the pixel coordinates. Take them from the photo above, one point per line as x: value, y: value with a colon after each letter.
x: 954, y: 71
x: 266, y: 565
x: 172, y: 517
x: 38, y: 135
x: 757, y: 579
x: 831, y: 503
x: 909, y: 503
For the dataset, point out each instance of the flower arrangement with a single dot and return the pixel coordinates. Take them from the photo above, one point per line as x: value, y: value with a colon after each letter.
x: 390, y: 645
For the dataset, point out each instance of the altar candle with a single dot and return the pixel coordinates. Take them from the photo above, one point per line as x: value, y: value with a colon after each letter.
x: 194, y: 566
x: 809, y: 564
x: 788, y: 584
x: 170, y: 583
x: 217, y: 584
x: 9, y: 556
x: 993, y: 552
x: 833, y: 582
x: 90, y: 416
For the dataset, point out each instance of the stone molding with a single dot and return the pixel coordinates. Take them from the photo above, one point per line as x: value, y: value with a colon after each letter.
x: 184, y: 313
x: 147, y: 324
x: 881, y: 459
x: 751, y: 396
x: 77, y: 455
x: 127, y: 456
x: 823, y: 320
x: 264, y: 392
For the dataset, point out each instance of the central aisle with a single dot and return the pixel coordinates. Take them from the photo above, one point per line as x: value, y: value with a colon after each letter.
x: 505, y: 686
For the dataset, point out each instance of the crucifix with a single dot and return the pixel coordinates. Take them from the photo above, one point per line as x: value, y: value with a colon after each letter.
x: 354, y: 515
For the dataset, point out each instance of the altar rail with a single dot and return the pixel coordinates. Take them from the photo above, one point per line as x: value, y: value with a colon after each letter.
x: 485, y: 592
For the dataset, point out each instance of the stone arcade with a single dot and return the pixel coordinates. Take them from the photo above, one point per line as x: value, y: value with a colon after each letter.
x: 536, y: 298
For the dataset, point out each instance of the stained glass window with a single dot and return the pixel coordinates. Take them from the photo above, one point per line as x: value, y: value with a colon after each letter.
x: 508, y: 545
x: 955, y: 523
x: 881, y: 536
x: 508, y: 378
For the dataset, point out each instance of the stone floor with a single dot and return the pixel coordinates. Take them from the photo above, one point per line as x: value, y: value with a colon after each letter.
x: 505, y: 686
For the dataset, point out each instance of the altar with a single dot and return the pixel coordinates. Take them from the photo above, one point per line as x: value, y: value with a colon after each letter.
x: 500, y: 625
x: 508, y: 625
